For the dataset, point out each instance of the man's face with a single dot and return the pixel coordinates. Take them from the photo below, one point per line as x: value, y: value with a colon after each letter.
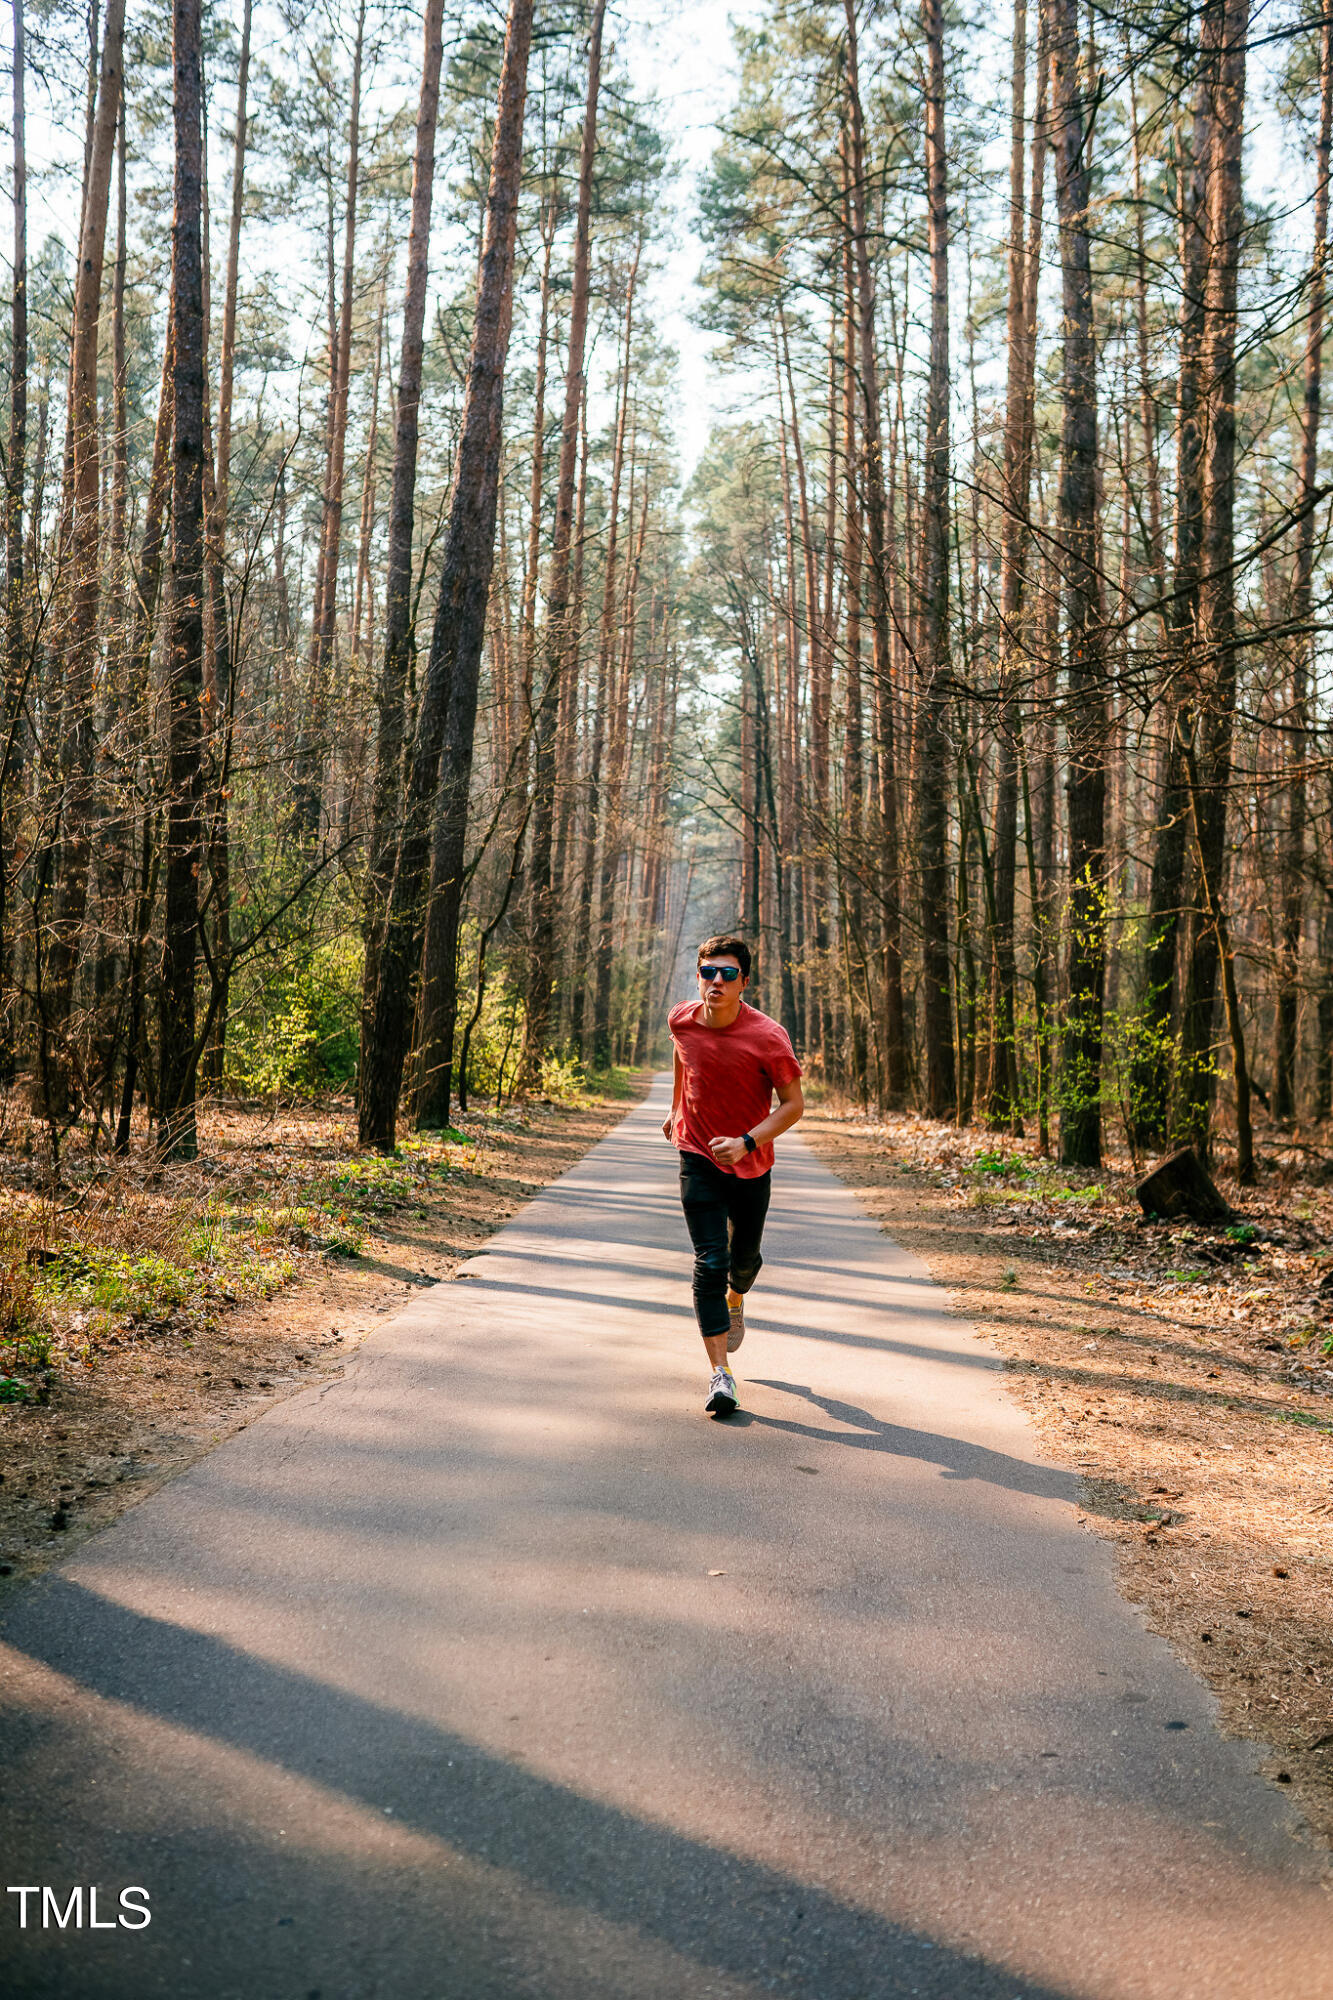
x: 721, y: 994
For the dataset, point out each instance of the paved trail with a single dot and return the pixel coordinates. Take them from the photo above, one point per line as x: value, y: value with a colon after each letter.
x: 422, y: 1688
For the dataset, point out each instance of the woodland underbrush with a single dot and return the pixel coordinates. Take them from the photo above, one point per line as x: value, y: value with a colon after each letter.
x: 100, y: 1251
x: 1268, y: 1272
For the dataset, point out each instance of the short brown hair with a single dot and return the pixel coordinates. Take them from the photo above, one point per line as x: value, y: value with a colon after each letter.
x: 726, y: 947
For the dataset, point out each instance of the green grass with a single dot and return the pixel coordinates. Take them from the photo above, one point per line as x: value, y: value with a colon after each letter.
x: 378, y: 1184
x: 619, y: 1083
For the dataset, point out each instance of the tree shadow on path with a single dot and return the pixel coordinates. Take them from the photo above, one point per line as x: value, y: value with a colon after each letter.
x: 724, y: 1913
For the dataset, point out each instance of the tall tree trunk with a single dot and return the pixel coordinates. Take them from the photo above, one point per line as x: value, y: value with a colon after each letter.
x: 787, y: 725
x: 617, y: 760
x: 185, y: 683
x: 936, y: 757
x: 567, y: 722
x: 1151, y: 1075
x: 1148, y: 418
x: 13, y: 674
x: 220, y: 692
x: 561, y: 639
x: 801, y: 880
x: 1074, y: 98
x: 446, y: 722
x: 227, y: 358
x: 601, y: 950
x: 362, y: 600
x: 399, y: 639
x: 308, y: 788
x: 1217, y: 587
x: 1003, y: 1106
x: 142, y: 625
x: 532, y: 565
x: 111, y: 851
x: 83, y: 568
x: 1298, y: 722
x: 855, y: 468
x: 120, y: 419
x: 894, y: 1034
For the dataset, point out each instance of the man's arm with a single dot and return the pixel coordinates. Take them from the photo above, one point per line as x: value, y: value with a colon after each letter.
x: 677, y: 1081
x: 791, y: 1106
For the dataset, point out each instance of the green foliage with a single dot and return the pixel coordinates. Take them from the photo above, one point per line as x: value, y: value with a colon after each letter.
x: 563, y: 1077
x: 1140, y: 1057
x: 294, y: 1030
x: 12, y: 1390
x: 226, y: 1254
x: 618, y: 1082
x: 498, y: 1035
x: 999, y: 1163
x: 1241, y: 1232
x: 32, y: 1349
x: 116, y: 1283
x: 354, y: 1192
x: 340, y: 1238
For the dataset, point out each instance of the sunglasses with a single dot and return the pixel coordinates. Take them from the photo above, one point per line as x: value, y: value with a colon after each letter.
x: 730, y: 973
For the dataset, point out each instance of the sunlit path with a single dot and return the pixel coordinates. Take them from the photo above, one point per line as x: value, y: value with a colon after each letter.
x: 496, y: 1669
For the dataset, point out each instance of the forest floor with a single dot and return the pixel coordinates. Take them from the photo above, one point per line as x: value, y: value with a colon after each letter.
x: 147, y: 1313
x: 1185, y: 1372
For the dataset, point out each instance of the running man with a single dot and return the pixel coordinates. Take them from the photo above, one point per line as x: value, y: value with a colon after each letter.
x: 728, y: 1061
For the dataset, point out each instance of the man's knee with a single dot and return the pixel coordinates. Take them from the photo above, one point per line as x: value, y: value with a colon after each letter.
x: 710, y: 1264
x: 742, y: 1275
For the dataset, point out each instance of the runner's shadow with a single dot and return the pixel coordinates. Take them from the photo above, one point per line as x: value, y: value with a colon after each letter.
x: 956, y: 1458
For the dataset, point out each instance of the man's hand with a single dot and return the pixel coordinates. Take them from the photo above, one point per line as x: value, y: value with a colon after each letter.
x: 727, y: 1151
x: 667, y: 1123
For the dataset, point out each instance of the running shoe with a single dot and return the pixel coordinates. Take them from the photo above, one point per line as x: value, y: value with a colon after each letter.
x: 736, y: 1331
x: 721, y: 1393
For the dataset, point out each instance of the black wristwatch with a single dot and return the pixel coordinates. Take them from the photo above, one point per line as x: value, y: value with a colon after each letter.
x: 751, y: 1143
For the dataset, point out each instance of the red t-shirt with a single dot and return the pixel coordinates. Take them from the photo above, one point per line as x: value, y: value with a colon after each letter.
x: 729, y: 1078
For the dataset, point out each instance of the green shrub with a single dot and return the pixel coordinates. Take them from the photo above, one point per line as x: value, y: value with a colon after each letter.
x: 294, y: 1030
x: 563, y: 1077
x: 114, y: 1282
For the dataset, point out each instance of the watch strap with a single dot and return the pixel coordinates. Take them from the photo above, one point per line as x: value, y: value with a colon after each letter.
x: 751, y: 1143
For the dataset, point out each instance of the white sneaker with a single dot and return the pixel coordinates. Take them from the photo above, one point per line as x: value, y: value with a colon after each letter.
x: 736, y: 1331
x: 721, y: 1393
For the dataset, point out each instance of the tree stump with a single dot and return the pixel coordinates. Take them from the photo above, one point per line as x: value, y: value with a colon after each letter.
x: 1180, y: 1186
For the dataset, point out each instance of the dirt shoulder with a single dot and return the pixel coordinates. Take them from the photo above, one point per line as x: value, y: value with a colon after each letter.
x: 128, y: 1393
x: 1187, y: 1373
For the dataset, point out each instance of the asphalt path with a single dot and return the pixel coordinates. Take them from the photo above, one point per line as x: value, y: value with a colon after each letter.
x: 497, y: 1669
